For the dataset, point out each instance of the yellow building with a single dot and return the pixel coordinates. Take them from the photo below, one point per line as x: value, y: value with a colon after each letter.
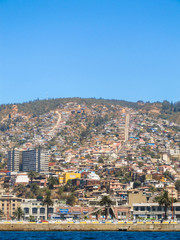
x: 64, y: 177
x: 9, y: 204
x: 136, y: 196
x: 148, y: 176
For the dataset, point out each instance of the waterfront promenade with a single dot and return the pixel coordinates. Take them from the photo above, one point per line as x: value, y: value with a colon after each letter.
x: 93, y: 226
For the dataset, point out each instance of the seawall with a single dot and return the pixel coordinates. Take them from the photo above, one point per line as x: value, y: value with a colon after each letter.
x: 160, y: 227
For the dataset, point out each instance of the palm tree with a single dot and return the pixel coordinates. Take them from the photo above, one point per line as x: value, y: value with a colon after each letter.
x: 107, y: 202
x: 52, y: 181
x: 99, y: 212
x: 165, y: 201
x: 19, y: 213
x: 32, y: 175
x: 47, y: 200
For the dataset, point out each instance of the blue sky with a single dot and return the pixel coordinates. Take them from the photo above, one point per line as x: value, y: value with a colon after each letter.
x: 115, y: 49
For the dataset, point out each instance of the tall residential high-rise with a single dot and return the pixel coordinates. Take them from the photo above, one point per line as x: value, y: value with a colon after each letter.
x: 30, y: 160
x: 14, y: 160
x: 35, y: 160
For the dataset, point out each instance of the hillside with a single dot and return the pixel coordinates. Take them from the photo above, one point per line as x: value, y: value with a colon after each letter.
x: 38, y: 107
x: 71, y: 123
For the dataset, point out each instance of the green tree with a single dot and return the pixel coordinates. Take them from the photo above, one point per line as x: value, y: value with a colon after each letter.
x: 32, y: 175
x: 60, y: 191
x: 31, y: 218
x: 35, y: 189
x: 1, y: 213
x: 20, y: 190
x: 136, y: 184
x: 47, y: 201
x: 100, y: 159
x: 166, y: 106
x: 69, y: 187
x: 127, y: 178
x: 152, y: 188
x: 71, y: 200
x: 52, y: 181
x: 107, y: 202
x: 18, y: 213
x: 165, y: 201
x: 140, y: 164
x: 177, y: 185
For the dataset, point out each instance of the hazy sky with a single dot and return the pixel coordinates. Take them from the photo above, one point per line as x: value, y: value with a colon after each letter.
x: 121, y: 49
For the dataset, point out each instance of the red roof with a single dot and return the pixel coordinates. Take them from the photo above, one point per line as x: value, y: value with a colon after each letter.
x: 52, y: 164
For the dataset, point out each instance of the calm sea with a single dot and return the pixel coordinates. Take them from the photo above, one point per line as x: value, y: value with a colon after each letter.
x: 89, y: 235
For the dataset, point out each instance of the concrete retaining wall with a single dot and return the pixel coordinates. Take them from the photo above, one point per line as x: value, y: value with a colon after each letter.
x: 88, y: 227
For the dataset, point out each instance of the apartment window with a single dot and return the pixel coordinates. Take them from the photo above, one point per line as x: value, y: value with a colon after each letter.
x: 14, y: 205
x: 26, y: 210
x: 148, y: 209
x: 178, y: 208
x: 153, y: 209
x: 136, y: 208
x: 142, y: 208
x: 50, y: 210
x: 42, y: 210
x: 34, y: 210
x: 2, y: 204
x: 159, y: 208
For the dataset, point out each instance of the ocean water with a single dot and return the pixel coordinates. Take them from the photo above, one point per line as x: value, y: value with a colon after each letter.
x: 89, y: 235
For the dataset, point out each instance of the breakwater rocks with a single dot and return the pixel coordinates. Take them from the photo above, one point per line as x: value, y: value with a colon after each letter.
x: 150, y: 227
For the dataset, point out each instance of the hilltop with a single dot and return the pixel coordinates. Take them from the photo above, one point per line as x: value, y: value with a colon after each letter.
x: 165, y: 109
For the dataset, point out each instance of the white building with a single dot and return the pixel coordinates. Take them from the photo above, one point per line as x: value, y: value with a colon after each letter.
x: 32, y: 207
x: 153, y: 210
x: 93, y: 176
x: 22, y: 179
